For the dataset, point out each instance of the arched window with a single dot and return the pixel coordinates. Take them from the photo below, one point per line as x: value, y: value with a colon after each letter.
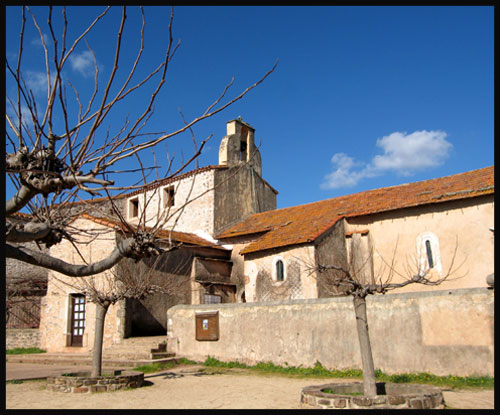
x: 280, y: 272
x: 279, y: 269
x: 429, y: 256
x: 428, y: 249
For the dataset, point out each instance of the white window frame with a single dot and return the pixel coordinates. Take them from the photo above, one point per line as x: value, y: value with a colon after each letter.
x: 274, y: 273
x: 423, y: 264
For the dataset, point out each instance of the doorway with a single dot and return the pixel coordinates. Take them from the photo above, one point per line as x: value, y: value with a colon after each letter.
x: 77, y: 319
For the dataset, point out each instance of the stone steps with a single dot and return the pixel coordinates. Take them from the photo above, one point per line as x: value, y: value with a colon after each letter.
x: 131, y: 352
x: 85, y: 360
x: 139, y: 348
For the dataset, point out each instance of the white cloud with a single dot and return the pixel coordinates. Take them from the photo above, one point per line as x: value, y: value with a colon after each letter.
x: 82, y: 63
x: 409, y: 153
x: 403, y: 154
x: 37, y: 41
x: 36, y: 81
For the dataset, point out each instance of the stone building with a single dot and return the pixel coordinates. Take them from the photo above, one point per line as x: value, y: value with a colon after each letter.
x: 441, y: 224
x: 237, y: 247
x: 197, y: 205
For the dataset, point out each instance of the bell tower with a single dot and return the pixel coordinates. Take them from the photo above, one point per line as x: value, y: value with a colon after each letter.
x: 238, y: 146
x: 240, y: 190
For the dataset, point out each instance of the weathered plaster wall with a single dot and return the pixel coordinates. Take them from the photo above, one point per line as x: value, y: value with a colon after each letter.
x: 441, y: 332
x: 299, y: 282
x: 330, y: 250
x: 463, y: 225
x: 239, y: 193
x: 54, y: 319
x: 197, y: 215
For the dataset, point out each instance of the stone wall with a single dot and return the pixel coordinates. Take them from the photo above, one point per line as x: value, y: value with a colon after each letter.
x: 440, y: 332
x: 464, y: 241
x: 22, y: 338
x: 55, y: 311
x: 239, y: 193
x: 299, y: 277
x: 197, y: 189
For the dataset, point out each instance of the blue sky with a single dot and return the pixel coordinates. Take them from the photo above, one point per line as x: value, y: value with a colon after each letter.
x: 362, y: 98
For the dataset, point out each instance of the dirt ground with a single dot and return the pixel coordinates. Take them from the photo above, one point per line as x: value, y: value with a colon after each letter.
x: 185, y: 388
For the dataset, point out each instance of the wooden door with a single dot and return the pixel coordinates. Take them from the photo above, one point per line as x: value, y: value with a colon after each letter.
x: 77, y: 319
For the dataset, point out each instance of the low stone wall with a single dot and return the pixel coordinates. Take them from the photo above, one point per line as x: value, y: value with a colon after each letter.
x: 389, y: 396
x: 22, y: 338
x: 440, y: 332
x: 82, y: 382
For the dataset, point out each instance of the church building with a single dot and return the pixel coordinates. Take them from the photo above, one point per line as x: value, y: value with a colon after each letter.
x: 235, y: 246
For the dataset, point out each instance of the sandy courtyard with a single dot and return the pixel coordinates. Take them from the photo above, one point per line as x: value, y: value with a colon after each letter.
x: 184, y: 388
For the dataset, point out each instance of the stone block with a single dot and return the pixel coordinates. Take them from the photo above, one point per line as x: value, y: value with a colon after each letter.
x: 427, y: 402
x: 340, y: 403
x: 82, y: 389
x: 416, y: 404
x: 98, y: 388
x: 362, y: 401
x: 396, y: 400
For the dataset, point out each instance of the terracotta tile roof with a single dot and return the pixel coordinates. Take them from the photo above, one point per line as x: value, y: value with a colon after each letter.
x: 304, y: 223
x: 184, y: 237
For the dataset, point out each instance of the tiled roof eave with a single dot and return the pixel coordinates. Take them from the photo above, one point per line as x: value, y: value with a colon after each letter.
x: 186, y: 239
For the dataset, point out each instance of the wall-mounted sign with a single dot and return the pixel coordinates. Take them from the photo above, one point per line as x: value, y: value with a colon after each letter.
x: 207, y: 326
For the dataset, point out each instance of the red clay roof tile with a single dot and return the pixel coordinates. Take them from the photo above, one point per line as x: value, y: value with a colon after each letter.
x: 184, y: 237
x: 304, y: 223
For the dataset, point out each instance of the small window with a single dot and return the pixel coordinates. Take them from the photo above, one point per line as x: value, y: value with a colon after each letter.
x: 213, y: 299
x: 169, y: 196
x: 428, y: 249
x: 243, y: 151
x: 133, y: 210
x: 428, y: 252
x: 280, y: 270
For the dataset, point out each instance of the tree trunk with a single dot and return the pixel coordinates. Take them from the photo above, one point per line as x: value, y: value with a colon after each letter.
x: 100, y: 316
x: 369, y: 385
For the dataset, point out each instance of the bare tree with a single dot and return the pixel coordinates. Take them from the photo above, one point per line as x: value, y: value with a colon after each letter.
x: 62, y: 149
x: 356, y: 277
x: 129, y: 279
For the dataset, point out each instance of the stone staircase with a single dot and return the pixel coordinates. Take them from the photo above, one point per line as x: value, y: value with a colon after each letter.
x: 139, y: 348
x: 131, y: 352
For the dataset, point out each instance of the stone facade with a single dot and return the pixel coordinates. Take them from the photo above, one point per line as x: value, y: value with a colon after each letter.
x: 196, y: 189
x: 55, y: 324
x: 22, y: 338
x: 197, y: 202
x: 462, y: 225
x: 212, y: 199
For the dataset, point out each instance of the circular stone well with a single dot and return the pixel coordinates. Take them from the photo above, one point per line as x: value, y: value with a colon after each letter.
x: 389, y: 396
x: 81, y: 382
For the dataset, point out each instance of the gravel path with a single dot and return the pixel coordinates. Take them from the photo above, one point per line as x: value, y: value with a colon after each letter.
x: 188, y: 388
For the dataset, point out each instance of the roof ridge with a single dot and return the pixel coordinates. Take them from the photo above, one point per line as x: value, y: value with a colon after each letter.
x: 372, y: 190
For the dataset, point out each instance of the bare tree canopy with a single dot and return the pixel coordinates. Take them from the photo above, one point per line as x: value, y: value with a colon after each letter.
x: 356, y: 277
x: 66, y: 147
